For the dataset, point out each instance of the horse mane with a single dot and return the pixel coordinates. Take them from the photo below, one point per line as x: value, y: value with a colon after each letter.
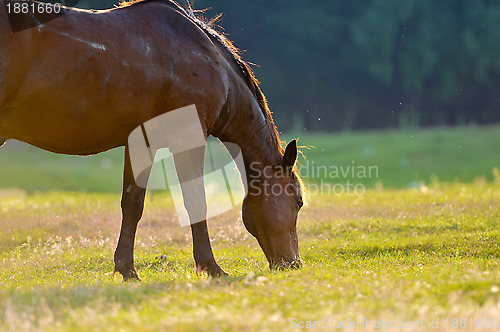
x: 245, y: 72
x: 232, y: 51
x: 243, y: 68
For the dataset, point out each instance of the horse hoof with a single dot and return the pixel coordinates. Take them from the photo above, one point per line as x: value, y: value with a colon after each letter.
x: 211, y: 270
x: 128, y: 276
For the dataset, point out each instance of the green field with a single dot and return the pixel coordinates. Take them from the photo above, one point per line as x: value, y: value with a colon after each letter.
x: 422, y: 244
x: 403, y: 158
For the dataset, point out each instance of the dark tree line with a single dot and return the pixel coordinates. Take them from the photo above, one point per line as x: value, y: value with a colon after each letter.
x: 332, y: 65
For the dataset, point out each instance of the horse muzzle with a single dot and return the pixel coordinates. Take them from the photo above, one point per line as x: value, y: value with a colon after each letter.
x: 285, y: 264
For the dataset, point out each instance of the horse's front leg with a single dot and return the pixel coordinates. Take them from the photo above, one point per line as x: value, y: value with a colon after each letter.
x: 189, y: 166
x: 132, y: 208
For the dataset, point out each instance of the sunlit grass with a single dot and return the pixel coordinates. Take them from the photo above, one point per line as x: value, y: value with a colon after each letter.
x: 414, y: 254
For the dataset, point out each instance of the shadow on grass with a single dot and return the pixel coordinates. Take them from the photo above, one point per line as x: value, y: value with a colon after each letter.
x: 163, y: 265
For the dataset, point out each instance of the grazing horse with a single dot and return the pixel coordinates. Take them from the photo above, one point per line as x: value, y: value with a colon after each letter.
x: 81, y: 83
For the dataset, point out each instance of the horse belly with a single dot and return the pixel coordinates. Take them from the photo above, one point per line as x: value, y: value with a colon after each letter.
x: 74, y: 125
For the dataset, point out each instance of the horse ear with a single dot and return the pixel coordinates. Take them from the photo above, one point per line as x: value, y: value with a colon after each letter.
x: 290, y: 156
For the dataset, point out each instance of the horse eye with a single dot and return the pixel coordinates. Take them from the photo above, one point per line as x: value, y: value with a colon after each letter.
x: 300, y: 203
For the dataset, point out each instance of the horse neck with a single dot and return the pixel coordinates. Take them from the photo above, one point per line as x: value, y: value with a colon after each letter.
x: 245, y: 124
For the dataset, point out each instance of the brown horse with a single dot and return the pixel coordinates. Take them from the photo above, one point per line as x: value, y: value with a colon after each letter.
x: 81, y: 83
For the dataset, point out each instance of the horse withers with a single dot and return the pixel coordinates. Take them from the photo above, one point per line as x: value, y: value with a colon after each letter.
x: 80, y: 83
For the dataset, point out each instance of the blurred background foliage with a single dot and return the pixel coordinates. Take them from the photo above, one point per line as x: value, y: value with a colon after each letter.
x: 364, y: 64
